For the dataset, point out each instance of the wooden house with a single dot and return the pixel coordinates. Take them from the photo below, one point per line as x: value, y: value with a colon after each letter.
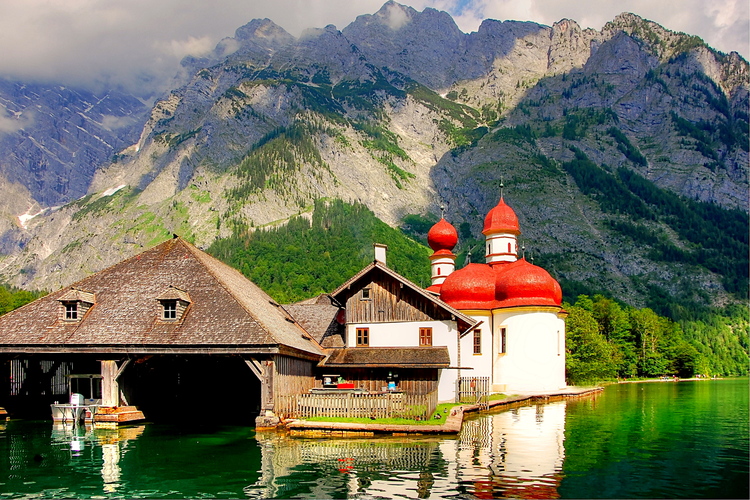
x: 171, y: 330
x: 382, y: 332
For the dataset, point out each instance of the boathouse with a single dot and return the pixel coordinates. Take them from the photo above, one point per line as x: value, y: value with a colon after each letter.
x: 172, y: 331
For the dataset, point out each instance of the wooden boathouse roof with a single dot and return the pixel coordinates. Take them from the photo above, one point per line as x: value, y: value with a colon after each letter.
x: 218, y: 311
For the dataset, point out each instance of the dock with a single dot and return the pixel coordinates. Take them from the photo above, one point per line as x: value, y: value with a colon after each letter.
x: 451, y: 425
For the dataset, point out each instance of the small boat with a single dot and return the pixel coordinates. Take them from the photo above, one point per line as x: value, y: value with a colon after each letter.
x: 80, y: 407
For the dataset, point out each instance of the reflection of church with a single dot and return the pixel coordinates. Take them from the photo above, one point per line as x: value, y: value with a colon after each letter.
x: 516, y: 453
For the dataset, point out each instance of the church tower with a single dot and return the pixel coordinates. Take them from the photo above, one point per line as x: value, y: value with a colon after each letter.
x: 501, y: 234
x: 442, y: 238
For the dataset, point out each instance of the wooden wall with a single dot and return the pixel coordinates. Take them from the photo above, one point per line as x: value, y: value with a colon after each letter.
x: 292, y: 376
x: 388, y: 302
x: 410, y: 381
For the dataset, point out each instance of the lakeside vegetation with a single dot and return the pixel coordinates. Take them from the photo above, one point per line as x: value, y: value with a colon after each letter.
x: 608, y: 341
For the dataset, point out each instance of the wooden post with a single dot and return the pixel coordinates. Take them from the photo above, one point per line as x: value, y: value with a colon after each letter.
x: 264, y: 371
x: 110, y: 388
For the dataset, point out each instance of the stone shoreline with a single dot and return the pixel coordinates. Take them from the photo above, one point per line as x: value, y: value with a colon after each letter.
x: 451, y: 425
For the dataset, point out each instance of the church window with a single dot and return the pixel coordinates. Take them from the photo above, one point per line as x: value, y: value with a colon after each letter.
x: 363, y: 337
x: 477, y: 341
x: 425, y: 336
x: 503, y: 335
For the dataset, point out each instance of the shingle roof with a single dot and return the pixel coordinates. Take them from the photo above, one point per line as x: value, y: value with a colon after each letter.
x: 388, y: 357
x: 322, y: 318
x: 227, y: 311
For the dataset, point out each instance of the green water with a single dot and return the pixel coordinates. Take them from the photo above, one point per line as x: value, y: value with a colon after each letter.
x: 652, y: 440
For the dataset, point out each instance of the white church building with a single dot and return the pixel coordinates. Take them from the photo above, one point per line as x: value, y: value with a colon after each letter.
x: 519, y: 341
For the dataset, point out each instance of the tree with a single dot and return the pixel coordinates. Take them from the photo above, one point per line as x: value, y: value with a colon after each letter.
x: 590, y: 357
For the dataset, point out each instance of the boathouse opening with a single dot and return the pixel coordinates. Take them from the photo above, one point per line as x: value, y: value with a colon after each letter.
x: 32, y: 383
x: 166, y: 388
x: 193, y: 388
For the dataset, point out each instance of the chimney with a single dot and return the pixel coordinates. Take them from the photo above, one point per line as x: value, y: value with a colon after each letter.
x: 380, y: 251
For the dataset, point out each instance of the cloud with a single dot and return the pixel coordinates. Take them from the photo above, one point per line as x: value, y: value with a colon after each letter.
x: 138, y: 44
x: 13, y: 122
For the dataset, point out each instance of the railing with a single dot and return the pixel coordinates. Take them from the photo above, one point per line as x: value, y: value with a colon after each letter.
x: 358, y: 405
x: 474, y: 390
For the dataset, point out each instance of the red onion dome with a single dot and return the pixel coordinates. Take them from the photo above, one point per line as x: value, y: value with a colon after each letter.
x: 442, y: 236
x: 524, y: 284
x: 471, y: 287
x: 501, y: 219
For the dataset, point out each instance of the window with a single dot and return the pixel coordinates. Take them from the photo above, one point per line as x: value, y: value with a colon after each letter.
x: 509, y: 250
x: 71, y: 311
x: 425, y: 336
x: 363, y: 337
x: 503, y: 335
x: 170, y: 309
x: 477, y: 341
x: 365, y: 294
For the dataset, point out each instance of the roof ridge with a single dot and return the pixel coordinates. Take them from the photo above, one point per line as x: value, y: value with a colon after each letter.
x: 208, y: 260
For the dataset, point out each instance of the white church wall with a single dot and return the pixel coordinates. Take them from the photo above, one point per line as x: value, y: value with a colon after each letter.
x: 535, y: 350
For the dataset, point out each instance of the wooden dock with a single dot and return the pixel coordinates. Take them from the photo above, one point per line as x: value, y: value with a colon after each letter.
x: 451, y: 425
x: 111, y: 416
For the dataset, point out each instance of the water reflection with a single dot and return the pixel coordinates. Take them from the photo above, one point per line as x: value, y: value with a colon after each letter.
x: 514, y: 453
x: 82, y: 442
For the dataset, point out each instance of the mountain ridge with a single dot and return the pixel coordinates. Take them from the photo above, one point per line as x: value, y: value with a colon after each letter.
x: 269, y: 123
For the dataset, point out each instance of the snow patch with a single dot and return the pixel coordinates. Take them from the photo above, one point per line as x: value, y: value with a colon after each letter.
x: 111, y: 191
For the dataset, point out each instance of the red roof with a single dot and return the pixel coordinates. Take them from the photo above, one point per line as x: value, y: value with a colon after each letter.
x: 471, y: 287
x: 501, y: 219
x: 524, y: 284
x: 442, y: 236
x: 485, y: 287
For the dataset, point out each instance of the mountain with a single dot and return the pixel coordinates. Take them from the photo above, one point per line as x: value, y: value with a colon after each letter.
x: 624, y: 151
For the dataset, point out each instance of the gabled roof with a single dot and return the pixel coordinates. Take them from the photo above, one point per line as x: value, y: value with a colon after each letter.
x: 75, y: 295
x: 379, y: 270
x: 227, y: 312
x: 322, y: 317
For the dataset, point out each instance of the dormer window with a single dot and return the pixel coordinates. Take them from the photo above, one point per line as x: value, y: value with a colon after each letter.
x: 71, y: 311
x: 170, y: 309
x: 174, y: 302
x: 74, y: 304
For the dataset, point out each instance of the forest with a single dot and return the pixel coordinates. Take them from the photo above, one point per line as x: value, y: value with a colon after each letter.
x: 606, y: 339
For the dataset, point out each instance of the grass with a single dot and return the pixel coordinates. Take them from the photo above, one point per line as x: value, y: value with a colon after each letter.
x: 441, y: 409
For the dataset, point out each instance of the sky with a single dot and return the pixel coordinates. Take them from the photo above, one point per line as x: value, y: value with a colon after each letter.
x: 137, y: 44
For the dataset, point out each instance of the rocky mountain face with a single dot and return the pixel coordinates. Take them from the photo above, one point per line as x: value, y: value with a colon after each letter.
x: 403, y: 112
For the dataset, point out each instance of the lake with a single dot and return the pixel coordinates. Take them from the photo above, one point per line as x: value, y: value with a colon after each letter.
x: 647, y: 440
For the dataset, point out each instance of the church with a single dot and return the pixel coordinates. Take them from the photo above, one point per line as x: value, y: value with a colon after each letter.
x: 519, y: 342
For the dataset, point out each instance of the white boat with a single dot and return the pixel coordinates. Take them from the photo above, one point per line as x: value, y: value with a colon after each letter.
x: 79, y: 407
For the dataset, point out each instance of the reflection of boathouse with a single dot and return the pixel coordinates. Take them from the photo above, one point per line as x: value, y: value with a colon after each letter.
x: 171, y: 330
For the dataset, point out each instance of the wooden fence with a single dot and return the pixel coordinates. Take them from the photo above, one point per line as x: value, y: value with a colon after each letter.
x: 474, y: 390
x: 358, y: 405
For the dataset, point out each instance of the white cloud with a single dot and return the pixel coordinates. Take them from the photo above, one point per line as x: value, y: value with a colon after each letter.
x: 138, y: 43
x: 13, y: 122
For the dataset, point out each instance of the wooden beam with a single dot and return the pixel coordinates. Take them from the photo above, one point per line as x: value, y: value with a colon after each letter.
x: 256, y: 367
x: 122, y: 368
